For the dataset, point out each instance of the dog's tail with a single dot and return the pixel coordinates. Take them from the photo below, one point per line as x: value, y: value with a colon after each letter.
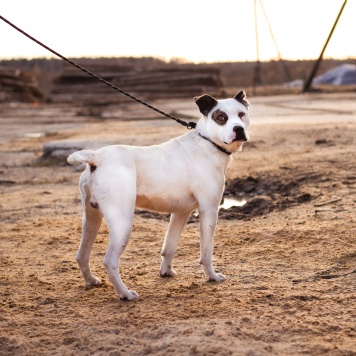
x: 84, y: 156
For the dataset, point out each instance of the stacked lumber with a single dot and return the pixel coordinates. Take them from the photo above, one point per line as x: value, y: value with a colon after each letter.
x: 17, y: 85
x: 147, y: 83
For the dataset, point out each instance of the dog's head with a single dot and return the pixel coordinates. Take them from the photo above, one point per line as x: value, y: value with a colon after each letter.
x: 225, y: 121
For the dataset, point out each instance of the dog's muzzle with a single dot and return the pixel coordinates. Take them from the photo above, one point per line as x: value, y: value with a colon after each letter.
x: 240, y: 134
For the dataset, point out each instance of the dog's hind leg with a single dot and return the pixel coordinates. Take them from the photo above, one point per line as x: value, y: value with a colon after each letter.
x: 175, y: 228
x: 120, y: 226
x: 118, y: 208
x: 91, y: 222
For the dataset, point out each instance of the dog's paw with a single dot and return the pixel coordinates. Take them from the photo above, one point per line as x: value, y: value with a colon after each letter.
x: 217, y: 277
x: 169, y: 272
x: 93, y: 281
x: 130, y: 295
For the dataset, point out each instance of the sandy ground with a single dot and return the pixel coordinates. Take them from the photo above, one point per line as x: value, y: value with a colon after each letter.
x: 289, y: 254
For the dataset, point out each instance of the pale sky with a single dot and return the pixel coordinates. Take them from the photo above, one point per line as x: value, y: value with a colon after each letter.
x: 197, y: 30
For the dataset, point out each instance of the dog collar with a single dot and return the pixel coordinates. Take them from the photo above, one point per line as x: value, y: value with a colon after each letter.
x: 222, y: 149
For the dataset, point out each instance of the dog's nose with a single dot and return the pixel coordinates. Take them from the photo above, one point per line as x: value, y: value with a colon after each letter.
x: 240, y: 133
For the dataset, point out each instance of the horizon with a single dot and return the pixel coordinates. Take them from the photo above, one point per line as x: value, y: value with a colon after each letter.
x: 173, y: 60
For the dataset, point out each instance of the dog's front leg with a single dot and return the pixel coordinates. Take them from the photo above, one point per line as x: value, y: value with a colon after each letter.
x: 176, y: 226
x: 208, y: 221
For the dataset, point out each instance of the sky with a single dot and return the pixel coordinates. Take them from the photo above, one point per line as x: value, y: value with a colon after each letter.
x: 195, y: 30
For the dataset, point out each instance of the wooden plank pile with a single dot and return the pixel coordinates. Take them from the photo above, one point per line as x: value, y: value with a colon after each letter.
x: 18, y: 85
x: 147, y: 83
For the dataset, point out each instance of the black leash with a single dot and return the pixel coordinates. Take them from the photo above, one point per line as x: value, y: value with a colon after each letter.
x: 188, y: 125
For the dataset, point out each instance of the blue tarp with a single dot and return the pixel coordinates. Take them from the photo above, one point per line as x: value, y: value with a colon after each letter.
x: 344, y: 74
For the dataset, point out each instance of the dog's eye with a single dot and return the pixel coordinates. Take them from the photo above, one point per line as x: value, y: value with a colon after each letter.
x: 219, y: 117
x: 241, y: 115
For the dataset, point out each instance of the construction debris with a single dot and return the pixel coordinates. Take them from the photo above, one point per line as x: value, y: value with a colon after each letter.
x: 145, y: 82
x: 18, y: 85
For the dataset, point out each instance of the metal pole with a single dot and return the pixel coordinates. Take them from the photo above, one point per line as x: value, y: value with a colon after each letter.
x: 256, y: 77
x: 317, y: 63
x: 284, y: 67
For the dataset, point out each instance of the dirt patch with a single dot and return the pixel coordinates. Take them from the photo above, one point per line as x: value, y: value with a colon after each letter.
x: 268, y: 193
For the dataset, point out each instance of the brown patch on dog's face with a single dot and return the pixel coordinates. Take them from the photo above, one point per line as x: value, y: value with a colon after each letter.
x: 220, y: 117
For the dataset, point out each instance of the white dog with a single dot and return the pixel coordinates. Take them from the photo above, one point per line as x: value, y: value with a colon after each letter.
x: 177, y: 177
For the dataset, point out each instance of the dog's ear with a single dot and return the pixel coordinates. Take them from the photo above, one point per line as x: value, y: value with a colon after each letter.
x: 205, y: 103
x: 241, y: 98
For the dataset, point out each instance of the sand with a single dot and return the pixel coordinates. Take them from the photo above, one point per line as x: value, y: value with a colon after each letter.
x: 289, y: 254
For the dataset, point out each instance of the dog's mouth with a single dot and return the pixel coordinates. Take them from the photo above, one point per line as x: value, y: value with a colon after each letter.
x: 240, y: 139
x: 241, y: 136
